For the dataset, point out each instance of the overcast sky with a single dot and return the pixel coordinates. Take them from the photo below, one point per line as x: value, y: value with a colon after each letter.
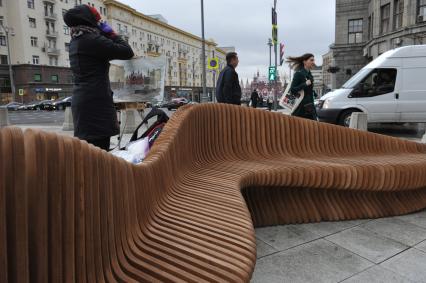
x: 304, y: 25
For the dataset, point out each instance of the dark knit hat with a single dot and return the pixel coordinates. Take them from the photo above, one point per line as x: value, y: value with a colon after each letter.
x: 81, y: 15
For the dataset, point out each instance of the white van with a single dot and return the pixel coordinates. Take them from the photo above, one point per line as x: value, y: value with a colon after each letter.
x: 391, y: 89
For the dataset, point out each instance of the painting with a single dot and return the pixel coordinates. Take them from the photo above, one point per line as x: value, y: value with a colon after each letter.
x: 138, y: 80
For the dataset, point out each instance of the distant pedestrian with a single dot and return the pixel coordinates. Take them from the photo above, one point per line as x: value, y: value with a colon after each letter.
x: 303, y: 80
x: 93, y: 44
x: 254, y: 98
x: 228, y: 88
x: 269, y: 102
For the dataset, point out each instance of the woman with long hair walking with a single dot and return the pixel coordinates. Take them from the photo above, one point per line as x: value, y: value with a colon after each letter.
x: 303, y: 80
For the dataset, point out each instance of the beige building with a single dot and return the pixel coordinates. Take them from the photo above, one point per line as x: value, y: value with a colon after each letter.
x: 39, y: 41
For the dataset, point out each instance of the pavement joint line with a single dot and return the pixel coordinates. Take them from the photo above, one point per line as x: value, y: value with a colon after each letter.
x: 391, y: 269
x: 394, y: 240
x: 371, y: 267
x: 352, y: 252
x: 356, y: 273
x: 320, y: 237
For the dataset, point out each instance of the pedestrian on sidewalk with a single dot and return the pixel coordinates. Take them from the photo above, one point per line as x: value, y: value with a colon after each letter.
x: 228, y: 89
x: 254, y: 98
x: 93, y: 44
x: 303, y: 80
x: 269, y: 102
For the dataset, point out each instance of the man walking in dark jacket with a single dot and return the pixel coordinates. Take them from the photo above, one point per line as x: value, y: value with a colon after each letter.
x: 228, y: 89
x: 254, y: 98
x: 92, y: 46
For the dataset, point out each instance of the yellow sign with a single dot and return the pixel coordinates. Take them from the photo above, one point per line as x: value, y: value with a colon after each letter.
x: 274, y: 34
x: 213, y: 64
x: 21, y: 92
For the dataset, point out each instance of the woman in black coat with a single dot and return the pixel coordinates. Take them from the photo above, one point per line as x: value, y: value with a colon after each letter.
x: 92, y: 46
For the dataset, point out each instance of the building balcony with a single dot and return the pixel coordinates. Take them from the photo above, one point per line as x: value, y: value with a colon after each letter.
x: 124, y: 33
x: 53, y: 51
x: 51, y: 16
x: 50, y: 33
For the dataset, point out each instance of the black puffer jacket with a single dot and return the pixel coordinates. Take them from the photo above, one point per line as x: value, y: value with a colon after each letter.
x: 92, y: 104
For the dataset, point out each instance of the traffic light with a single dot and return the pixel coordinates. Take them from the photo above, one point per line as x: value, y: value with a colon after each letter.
x: 282, y: 54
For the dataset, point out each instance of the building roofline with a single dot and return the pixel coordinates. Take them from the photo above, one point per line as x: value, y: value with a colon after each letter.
x: 150, y: 19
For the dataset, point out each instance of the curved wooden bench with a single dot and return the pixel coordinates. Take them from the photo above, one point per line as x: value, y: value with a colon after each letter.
x: 70, y: 212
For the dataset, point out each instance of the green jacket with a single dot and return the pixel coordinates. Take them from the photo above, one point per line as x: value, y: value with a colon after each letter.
x: 298, y: 84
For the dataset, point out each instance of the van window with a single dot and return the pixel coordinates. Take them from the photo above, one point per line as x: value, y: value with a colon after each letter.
x: 352, y: 82
x: 378, y: 82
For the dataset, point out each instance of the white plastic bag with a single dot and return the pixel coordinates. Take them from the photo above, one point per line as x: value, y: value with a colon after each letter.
x: 135, y: 152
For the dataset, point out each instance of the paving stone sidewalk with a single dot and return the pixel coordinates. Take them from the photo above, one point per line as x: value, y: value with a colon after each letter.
x: 382, y: 250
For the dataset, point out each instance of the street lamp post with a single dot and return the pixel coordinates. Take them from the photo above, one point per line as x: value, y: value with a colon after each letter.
x: 9, y: 61
x: 203, y: 51
x: 276, y: 60
x: 270, y: 51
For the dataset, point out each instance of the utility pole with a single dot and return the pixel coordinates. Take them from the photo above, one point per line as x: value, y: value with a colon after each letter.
x: 275, y: 41
x: 203, y: 51
x: 270, y: 51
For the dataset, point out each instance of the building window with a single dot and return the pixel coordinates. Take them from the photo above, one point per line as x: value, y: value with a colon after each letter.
x: 33, y: 41
x: 30, y: 4
x: 1, y: 20
x: 67, y: 47
x: 384, y: 18
x: 3, y: 60
x: 422, y: 10
x: 36, y: 60
x: 398, y: 14
x: 53, y: 61
x: 355, y: 31
x: 37, y: 77
x: 32, y: 23
x: 55, y: 78
x: 2, y: 40
x: 66, y: 30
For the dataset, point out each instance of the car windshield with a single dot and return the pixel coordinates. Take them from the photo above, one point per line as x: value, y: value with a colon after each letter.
x: 352, y: 82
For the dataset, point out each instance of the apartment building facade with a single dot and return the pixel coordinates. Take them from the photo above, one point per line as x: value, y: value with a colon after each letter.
x: 39, y: 42
x: 367, y: 28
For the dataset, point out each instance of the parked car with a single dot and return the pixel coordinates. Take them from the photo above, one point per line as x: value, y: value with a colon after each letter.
x: 59, y: 104
x: 175, y: 103
x: 391, y: 89
x: 35, y: 105
x: 12, y: 106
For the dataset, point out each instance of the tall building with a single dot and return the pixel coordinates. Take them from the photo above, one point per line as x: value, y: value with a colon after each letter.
x: 39, y: 42
x: 367, y: 28
x: 318, y: 80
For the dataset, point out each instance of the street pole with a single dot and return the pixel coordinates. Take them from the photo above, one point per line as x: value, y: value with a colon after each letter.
x: 12, y: 83
x: 276, y: 63
x: 203, y: 52
x: 214, y: 82
x: 270, y: 52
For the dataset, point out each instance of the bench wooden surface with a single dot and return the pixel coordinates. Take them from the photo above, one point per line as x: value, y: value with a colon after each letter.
x: 70, y: 212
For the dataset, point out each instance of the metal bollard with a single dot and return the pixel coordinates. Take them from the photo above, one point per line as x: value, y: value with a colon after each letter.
x: 359, y: 121
x: 4, y: 117
x: 68, y: 122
